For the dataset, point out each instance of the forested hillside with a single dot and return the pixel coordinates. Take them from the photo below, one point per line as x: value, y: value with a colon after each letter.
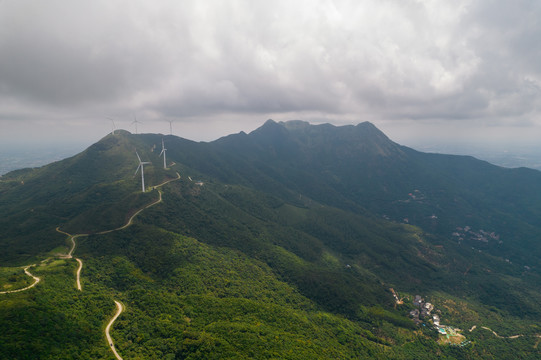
x: 281, y: 243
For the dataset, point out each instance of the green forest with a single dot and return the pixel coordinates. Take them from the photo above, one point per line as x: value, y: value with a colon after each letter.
x: 286, y: 243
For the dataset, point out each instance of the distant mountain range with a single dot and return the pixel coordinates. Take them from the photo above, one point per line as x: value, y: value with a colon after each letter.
x: 34, y: 156
x: 280, y: 243
x: 510, y: 156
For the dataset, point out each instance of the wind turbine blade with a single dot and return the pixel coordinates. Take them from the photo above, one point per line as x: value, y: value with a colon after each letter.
x: 138, y: 157
x: 137, y: 169
x: 161, y: 152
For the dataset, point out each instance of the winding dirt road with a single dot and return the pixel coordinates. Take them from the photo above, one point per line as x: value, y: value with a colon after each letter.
x: 69, y: 255
x: 119, y: 305
x: 508, y: 337
x: 36, y: 281
x: 119, y: 309
x: 499, y: 336
x: 79, y: 287
x: 130, y: 220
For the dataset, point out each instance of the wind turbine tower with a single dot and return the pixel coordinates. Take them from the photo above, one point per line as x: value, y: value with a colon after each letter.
x: 141, y: 165
x: 170, y: 127
x: 135, y: 121
x: 163, y: 152
x: 113, y: 125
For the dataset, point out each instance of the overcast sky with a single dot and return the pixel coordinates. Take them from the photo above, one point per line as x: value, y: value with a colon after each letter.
x: 432, y: 70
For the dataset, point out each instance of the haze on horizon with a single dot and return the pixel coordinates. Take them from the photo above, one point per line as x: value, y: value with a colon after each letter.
x: 424, y: 72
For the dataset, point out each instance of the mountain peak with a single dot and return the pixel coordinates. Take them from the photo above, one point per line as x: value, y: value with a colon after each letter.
x: 347, y: 139
x: 270, y: 129
x: 370, y: 128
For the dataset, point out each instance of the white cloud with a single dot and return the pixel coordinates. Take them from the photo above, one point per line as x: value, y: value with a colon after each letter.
x: 200, y: 61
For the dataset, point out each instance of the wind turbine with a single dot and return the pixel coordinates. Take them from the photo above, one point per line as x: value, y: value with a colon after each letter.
x: 141, y: 165
x: 170, y: 127
x: 135, y: 122
x: 163, y: 152
x: 114, y: 127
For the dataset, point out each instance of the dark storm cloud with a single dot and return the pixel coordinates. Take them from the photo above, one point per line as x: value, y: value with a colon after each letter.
x: 342, y: 60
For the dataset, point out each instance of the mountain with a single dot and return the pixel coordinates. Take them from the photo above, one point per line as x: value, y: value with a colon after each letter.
x: 280, y: 243
x: 359, y: 167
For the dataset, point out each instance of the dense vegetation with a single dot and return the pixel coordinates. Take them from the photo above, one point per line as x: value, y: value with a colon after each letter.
x: 282, y: 243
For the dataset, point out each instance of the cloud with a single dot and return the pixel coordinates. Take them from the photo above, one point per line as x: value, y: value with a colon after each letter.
x: 201, y: 61
x: 68, y: 53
